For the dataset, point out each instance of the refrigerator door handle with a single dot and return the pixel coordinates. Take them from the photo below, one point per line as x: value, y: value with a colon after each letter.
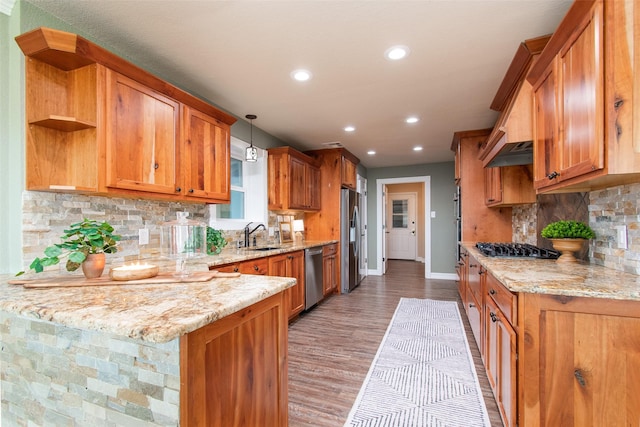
x: 356, y: 226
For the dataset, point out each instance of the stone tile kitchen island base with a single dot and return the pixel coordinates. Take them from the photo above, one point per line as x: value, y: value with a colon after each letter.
x: 56, y: 375
x: 62, y: 376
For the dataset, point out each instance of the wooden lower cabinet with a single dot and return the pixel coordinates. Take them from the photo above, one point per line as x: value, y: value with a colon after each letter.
x: 500, y: 351
x: 290, y: 265
x: 233, y: 372
x: 259, y: 266
x: 579, y: 363
x: 329, y: 269
x: 474, y: 301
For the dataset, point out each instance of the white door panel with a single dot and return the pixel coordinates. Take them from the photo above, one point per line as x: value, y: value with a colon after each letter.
x: 401, y: 225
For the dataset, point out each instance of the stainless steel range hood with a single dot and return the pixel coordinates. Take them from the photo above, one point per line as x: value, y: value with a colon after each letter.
x: 512, y: 154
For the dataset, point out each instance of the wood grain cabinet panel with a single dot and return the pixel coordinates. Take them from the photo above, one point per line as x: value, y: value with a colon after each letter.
x: 583, y: 122
x: 579, y: 362
x: 291, y: 265
x: 294, y: 180
x: 233, y: 372
x: 500, y: 347
x: 98, y: 124
x: 205, y: 157
x: 329, y: 269
x: 142, y: 137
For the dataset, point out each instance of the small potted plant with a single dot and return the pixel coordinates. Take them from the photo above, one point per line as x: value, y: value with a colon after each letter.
x: 567, y: 236
x: 85, y: 244
x: 215, y: 241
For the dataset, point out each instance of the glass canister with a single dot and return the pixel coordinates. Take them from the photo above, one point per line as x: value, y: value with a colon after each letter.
x: 183, y: 238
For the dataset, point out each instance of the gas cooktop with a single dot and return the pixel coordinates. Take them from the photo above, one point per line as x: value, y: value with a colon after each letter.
x: 521, y: 250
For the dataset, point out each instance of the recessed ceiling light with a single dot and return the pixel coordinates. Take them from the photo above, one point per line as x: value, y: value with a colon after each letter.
x: 412, y: 120
x: 349, y: 129
x: 301, y: 75
x: 418, y: 148
x: 396, y: 52
x: 371, y: 152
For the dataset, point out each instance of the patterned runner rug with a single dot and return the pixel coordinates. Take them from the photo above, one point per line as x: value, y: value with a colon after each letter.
x: 423, y: 374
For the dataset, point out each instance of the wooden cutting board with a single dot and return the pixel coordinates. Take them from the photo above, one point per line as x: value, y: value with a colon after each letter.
x: 77, y: 281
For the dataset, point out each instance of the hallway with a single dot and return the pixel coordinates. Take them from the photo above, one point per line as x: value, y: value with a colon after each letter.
x: 332, y: 346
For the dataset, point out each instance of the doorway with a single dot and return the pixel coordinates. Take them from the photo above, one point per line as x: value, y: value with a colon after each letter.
x: 424, y: 235
x: 401, y: 226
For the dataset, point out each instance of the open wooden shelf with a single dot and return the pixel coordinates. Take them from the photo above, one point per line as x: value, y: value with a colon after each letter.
x: 63, y: 123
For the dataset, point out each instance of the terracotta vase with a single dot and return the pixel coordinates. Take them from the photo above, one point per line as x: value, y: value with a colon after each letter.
x: 567, y: 247
x: 93, y: 266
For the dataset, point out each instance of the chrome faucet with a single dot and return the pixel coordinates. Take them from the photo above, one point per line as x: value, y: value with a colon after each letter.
x: 248, y: 233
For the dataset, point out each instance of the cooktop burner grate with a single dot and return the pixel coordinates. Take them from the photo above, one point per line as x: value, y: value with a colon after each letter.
x: 516, y: 250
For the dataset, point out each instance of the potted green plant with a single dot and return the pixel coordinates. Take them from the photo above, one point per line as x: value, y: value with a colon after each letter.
x: 567, y: 236
x: 215, y: 241
x: 85, y: 244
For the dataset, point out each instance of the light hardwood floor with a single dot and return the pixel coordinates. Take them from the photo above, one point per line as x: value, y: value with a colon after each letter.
x: 332, y: 346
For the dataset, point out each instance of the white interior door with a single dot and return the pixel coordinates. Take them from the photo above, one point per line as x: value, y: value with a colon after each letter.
x: 385, y: 232
x: 401, y: 226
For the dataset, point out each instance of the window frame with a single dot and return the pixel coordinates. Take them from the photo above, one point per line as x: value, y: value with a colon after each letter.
x: 254, y: 179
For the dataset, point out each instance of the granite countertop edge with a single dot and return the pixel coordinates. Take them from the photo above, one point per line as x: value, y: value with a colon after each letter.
x: 155, y: 312
x: 542, y: 276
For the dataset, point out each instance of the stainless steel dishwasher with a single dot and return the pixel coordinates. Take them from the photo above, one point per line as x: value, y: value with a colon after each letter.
x: 312, y: 276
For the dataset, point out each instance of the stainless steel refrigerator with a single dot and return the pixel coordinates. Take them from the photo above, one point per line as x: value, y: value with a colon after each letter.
x: 349, y: 240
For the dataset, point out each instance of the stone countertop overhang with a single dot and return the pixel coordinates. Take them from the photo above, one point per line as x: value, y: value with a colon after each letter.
x: 151, y: 312
x: 541, y: 276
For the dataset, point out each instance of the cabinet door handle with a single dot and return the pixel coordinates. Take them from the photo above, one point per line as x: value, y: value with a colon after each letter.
x: 256, y: 268
x: 491, y: 200
x: 493, y: 316
x: 553, y: 175
x: 236, y: 269
x: 492, y: 291
x: 481, y: 272
x: 471, y: 305
x: 191, y: 190
x: 156, y: 166
x: 178, y: 189
x: 473, y: 265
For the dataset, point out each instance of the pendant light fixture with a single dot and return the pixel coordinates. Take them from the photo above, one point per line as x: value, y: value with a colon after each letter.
x: 251, y: 153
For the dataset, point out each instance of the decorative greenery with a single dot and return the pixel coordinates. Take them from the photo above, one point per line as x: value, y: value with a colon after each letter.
x: 569, y: 229
x: 215, y: 241
x: 81, y: 239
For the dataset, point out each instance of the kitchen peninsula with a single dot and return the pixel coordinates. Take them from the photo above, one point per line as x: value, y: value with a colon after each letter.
x: 193, y: 353
x: 560, y: 342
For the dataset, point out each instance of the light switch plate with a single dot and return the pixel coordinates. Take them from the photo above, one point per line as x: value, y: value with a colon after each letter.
x: 143, y: 236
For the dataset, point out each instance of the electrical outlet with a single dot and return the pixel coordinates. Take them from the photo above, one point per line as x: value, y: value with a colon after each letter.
x: 622, y: 236
x: 143, y: 236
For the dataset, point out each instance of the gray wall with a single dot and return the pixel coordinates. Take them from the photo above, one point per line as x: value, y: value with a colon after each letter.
x: 443, y: 237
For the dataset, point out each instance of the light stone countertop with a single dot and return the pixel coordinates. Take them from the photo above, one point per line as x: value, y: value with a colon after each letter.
x: 548, y: 277
x: 153, y: 312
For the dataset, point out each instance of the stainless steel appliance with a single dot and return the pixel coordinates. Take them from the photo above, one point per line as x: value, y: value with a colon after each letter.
x: 312, y: 276
x: 349, y: 241
x: 516, y: 250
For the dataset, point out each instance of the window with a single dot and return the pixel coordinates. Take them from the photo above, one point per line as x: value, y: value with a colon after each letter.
x: 248, y: 191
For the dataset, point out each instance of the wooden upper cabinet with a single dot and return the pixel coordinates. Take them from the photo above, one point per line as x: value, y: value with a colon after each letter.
x: 294, y: 180
x: 205, y: 157
x: 349, y: 173
x: 98, y: 124
x: 509, y: 185
x: 142, y: 136
x: 584, y: 122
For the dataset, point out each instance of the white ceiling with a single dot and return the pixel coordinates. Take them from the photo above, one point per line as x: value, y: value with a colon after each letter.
x: 238, y: 55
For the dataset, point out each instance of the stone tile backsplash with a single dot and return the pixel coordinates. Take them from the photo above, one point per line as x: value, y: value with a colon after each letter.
x: 604, y: 210
x: 46, y: 215
x: 610, y: 208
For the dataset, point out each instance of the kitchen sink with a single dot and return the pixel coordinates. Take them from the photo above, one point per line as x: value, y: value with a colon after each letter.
x: 265, y: 248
